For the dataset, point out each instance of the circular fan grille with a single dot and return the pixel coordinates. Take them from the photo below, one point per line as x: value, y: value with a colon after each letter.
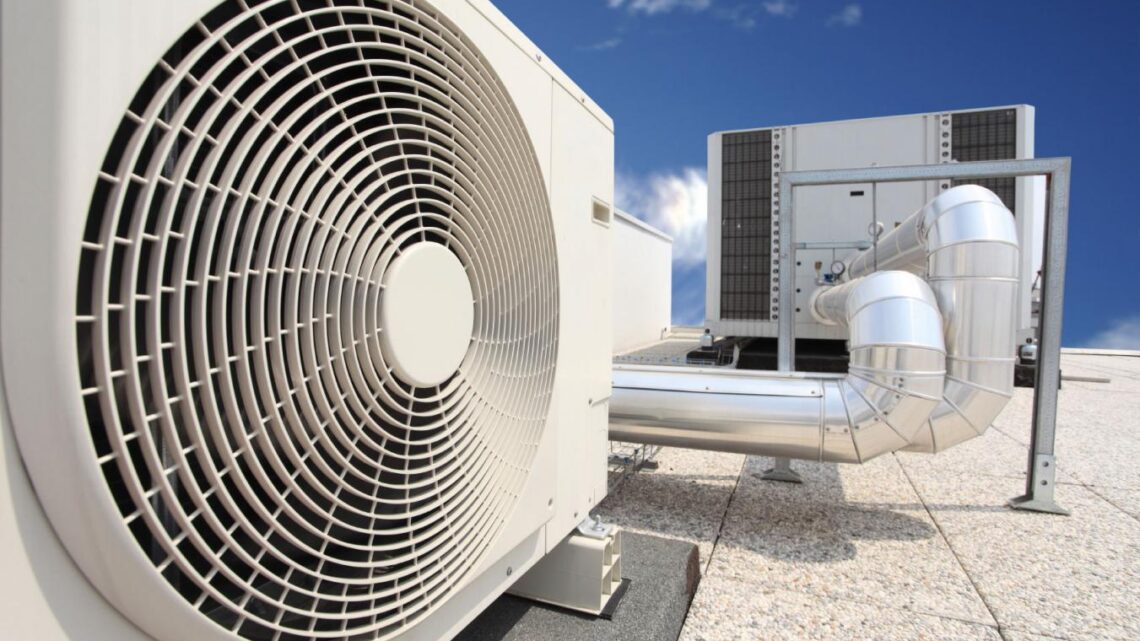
x: 265, y: 457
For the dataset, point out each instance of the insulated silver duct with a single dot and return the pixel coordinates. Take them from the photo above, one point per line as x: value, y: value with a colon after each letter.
x: 964, y: 242
x: 918, y: 380
x: 893, y: 384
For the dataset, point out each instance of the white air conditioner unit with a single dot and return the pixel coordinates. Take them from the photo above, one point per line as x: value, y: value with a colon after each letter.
x: 302, y: 327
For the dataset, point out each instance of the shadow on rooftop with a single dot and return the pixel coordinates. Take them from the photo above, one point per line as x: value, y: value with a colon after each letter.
x: 815, y: 522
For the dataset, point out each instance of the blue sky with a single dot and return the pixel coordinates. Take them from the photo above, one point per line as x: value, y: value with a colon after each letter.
x: 672, y: 71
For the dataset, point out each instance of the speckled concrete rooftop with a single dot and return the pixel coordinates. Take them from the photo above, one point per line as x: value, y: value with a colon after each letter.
x: 911, y: 546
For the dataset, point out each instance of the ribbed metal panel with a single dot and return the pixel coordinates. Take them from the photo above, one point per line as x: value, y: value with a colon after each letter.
x: 746, y: 226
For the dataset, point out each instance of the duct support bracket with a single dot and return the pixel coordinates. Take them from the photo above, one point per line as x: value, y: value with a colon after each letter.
x: 581, y: 573
x: 1041, y: 500
x: 1040, y: 478
x: 782, y: 471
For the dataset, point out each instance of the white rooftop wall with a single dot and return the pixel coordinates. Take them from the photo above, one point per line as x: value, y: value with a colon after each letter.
x: 642, y: 283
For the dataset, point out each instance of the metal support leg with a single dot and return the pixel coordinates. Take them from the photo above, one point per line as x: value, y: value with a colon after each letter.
x: 782, y: 472
x: 1038, y: 495
x: 786, y: 342
x: 1042, y: 474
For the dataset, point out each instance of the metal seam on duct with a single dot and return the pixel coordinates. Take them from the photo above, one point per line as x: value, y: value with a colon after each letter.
x: 850, y: 421
x: 879, y: 414
x: 895, y: 389
x: 976, y: 386
x: 933, y: 436
x: 822, y: 423
x: 966, y: 418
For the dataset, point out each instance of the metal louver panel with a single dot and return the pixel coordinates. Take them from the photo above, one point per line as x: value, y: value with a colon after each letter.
x: 275, y: 469
x: 746, y: 226
x: 987, y: 135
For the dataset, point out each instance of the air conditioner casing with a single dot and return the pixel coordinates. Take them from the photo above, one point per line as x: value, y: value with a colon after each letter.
x: 70, y: 69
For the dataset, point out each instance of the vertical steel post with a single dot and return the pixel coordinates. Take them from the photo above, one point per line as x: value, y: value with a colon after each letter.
x: 1042, y: 475
x: 786, y: 341
x: 786, y: 336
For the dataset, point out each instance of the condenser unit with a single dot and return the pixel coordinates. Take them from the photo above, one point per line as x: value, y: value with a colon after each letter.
x: 834, y: 222
x: 303, y: 332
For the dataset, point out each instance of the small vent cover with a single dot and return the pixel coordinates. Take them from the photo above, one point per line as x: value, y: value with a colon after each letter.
x: 265, y: 457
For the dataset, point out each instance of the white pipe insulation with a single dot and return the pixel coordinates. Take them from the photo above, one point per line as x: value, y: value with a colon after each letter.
x: 932, y: 354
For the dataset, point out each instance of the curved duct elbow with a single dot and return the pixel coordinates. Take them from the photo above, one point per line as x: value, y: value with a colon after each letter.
x: 965, y: 244
x: 894, y: 382
x: 897, y: 357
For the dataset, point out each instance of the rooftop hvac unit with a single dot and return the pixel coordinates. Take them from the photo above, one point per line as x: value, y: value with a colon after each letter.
x: 302, y: 332
x: 833, y: 222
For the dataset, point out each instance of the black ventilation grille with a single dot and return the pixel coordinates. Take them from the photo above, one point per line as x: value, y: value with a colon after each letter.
x: 746, y: 226
x: 987, y: 135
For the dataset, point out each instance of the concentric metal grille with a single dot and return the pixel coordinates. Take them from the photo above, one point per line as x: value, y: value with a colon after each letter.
x: 264, y: 456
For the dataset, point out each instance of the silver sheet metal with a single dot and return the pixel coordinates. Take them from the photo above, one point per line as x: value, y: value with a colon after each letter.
x: 932, y: 354
x: 964, y: 243
x: 894, y: 383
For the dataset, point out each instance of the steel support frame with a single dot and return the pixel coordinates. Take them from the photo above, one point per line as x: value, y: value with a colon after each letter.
x: 782, y: 471
x: 1041, y: 475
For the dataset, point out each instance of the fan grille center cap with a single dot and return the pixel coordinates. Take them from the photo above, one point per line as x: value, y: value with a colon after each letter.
x: 427, y: 314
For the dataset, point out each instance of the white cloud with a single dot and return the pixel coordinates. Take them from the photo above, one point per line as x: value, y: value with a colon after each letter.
x: 611, y: 43
x: 782, y: 8
x: 652, y: 7
x: 740, y: 16
x: 850, y: 16
x: 1124, y: 333
x: 676, y: 203
x: 746, y: 22
x: 743, y: 16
